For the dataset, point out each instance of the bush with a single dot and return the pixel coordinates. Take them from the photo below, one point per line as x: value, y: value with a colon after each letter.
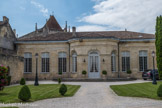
x: 129, y: 71
x: 22, y: 82
x: 8, y: 80
x: 84, y: 72
x: 3, y: 76
x: 63, y: 89
x: 59, y: 80
x: 60, y: 73
x: 104, y: 72
x: 159, y: 91
x: 24, y: 93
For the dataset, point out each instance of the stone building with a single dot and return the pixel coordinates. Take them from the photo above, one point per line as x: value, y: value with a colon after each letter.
x: 8, y: 51
x: 72, y: 52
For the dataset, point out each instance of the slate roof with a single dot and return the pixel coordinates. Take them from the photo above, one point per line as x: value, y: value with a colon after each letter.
x: 62, y: 36
x: 53, y: 24
x: 59, y: 35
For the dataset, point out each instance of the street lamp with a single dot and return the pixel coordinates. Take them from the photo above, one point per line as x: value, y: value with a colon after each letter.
x: 36, y: 76
x: 154, y: 77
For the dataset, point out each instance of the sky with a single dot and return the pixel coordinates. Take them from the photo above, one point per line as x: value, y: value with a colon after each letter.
x: 85, y: 15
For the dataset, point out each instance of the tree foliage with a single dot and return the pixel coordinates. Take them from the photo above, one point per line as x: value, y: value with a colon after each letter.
x: 24, y: 93
x: 159, y: 91
x: 3, y: 76
x: 22, y: 81
x: 63, y: 89
x: 158, y: 44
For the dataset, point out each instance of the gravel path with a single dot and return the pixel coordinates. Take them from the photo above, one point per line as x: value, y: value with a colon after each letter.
x: 96, y: 95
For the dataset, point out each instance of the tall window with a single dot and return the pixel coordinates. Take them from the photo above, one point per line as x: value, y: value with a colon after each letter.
x: 45, y: 62
x: 62, y: 62
x: 74, y: 62
x: 125, y: 61
x: 27, y: 62
x: 143, y: 60
x: 113, y: 62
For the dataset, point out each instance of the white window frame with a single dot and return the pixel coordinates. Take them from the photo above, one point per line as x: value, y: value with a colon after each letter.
x: 143, y: 54
x: 63, y: 56
x: 27, y: 56
x: 113, y: 62
x: 125, y: 54
x: 45, y: 56
x: 74, y: 62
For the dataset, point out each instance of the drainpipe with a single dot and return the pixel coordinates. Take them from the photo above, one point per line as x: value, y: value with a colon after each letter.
x: 118, y: 61
x: 69, y: 60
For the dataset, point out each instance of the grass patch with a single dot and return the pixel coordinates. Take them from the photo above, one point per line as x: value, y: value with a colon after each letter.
x: 44, y: 91
x: 145, y: 90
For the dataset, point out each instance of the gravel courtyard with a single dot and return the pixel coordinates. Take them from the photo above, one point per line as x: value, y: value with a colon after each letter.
x: 96, y: 95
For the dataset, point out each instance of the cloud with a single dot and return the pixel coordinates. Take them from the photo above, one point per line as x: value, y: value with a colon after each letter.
x: 41, y: 7
x: 91, y: 28
x: 22, y: 8
x: 135, y: 15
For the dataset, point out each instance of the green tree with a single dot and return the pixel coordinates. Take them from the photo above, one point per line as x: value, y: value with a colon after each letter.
x: 158, y: 44
x: 3, y: 77
x: 22, y: 81
x: 63, y: 89
x: 24, y: 93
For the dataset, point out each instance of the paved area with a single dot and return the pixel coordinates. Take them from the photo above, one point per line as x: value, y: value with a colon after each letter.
x: 96, y: 95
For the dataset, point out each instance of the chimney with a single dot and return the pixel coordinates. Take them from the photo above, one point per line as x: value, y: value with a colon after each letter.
x: 69, y: 28
x: 5, y: 19
x: 125, y: 29
x: 74, y: 31
x: 14, y: 30
x: 36, y: 27
x: 65, y: 29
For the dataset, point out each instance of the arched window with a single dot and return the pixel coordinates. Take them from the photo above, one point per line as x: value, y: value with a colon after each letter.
x: 113, y: 62
x: 74, y: 62
x: 125, y: 61
x: 45, y: 62
x: 27, y: 62
x: 142, y: 60
x: 62, y: 62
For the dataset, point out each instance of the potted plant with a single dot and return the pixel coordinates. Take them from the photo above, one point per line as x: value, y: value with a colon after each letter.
x: 104, y: 73
x: 60, y: 75
x: 84, y: 73
x: 129, y: 72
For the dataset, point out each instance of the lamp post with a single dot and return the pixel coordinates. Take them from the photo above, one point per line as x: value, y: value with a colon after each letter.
x: 154, y: 77
x: 36, y: 76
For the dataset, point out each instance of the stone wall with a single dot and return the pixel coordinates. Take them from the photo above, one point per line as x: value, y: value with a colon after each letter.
x: 103, y: 46
x: 7, y: 36
x: 16, y: 66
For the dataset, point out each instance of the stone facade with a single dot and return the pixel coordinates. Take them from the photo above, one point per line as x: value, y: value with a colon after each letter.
x: 8, y: 51
x: 103, y: 46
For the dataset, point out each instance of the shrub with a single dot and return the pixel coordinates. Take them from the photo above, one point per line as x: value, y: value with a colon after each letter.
x: 24, y: 93
x: 159, y: 91
x: 22, y: 82
x: 59, y: 80
x: 60, y: 73
x: 84, y: 72
x: 8, y: 80
x: 63, y: 89
x: 129, y: 71
x: 104, y: 72
x: 3, y: 76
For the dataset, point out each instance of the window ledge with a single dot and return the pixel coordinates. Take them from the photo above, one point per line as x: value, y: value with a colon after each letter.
x: 74, y: 72
x: 45, y: 72
x: 27, y: 72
